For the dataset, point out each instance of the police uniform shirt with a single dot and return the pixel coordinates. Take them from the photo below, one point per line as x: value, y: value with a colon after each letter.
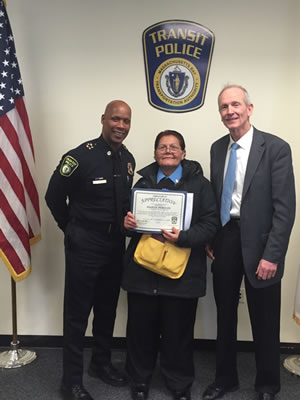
x: 91, y: 184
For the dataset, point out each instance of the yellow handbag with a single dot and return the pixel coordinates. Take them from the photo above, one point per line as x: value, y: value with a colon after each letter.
x: 161, y: 256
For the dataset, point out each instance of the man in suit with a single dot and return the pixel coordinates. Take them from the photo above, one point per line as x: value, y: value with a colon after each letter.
x: 252, y: 242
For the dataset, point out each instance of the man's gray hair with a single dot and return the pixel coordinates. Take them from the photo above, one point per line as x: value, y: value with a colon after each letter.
x: 229, y: 86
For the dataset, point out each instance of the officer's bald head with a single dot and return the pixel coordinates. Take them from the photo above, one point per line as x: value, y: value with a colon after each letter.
x: 116, y: 104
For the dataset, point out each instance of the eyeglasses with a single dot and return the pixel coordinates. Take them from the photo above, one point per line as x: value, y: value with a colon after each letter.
x: 163, y: 148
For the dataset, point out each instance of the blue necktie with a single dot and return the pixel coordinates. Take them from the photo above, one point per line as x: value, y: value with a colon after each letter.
x: 228, y: 186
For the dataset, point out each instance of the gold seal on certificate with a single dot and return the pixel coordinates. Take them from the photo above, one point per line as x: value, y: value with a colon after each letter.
x: 155, y: 210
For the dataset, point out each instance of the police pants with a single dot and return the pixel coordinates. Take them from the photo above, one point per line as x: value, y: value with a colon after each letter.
x: 92, y: 281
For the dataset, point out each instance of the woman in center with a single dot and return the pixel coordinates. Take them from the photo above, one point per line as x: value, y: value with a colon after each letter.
x: 161, y: 310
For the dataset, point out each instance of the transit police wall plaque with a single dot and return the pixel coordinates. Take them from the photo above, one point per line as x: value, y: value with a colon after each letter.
x: 177, y: 58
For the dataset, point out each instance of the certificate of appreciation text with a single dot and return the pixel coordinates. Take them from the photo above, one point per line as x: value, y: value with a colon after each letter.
x: 158, y: 209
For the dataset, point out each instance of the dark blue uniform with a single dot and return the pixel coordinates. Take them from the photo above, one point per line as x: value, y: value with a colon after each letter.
x: 88, y: 195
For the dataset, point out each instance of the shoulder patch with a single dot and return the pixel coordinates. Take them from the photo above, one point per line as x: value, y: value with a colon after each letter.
x: 68, y: 166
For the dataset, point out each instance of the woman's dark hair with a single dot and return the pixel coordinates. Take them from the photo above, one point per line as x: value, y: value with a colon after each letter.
x: 169, y: 132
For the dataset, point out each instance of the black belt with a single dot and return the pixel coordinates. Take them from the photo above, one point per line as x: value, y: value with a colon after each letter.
x: 101, y: 226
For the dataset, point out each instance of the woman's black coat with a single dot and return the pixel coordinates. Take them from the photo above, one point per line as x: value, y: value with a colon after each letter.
x: 204, y: 225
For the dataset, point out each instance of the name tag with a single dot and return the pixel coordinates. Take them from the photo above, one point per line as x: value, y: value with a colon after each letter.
x: 99, y: 181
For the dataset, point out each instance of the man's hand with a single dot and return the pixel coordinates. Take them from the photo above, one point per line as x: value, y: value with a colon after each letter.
x: 266, y: 270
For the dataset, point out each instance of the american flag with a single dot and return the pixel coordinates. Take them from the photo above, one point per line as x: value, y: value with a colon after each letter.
x: 19, y: 212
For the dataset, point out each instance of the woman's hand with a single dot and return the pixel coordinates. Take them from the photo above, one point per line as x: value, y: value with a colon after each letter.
x: 172, y: 236
x: 129, y: 221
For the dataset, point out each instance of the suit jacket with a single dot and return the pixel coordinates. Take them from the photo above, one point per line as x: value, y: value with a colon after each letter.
x: 268, y: 201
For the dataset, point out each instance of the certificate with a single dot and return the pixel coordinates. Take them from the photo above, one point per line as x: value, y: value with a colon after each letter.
x: 155, y: 210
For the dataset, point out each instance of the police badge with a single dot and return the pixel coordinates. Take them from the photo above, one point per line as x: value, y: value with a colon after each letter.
x: 129, y: 168
x: 177, y: 58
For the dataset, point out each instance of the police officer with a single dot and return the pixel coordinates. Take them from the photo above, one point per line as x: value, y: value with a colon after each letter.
x: 88, y: 195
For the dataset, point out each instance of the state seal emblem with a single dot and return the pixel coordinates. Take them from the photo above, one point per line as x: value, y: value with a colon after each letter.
x: 177, y: 58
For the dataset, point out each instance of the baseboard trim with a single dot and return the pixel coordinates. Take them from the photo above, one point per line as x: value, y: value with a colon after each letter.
x: 119, y: 343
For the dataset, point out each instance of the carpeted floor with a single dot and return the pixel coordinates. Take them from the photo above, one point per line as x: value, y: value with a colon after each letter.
x: 40, y: 380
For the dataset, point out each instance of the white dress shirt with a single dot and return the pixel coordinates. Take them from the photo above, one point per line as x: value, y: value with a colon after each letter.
x: 242, y: 153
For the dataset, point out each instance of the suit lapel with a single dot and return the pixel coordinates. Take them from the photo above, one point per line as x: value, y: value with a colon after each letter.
x: 255, y: 155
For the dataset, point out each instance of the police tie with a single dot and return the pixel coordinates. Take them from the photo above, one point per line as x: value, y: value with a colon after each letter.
x: 228, y: 186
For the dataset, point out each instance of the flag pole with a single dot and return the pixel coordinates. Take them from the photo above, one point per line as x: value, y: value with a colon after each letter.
x: 24, y: 210
x: 14, y: 310
x: 15, y: 357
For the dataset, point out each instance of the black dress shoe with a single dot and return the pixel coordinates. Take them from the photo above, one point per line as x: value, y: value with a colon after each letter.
x: 108, y: 374
x: 75, y: 392
x: 182, y: 395
x: 139, y: 391
x: 213, y: 391
x: 266, y: 396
